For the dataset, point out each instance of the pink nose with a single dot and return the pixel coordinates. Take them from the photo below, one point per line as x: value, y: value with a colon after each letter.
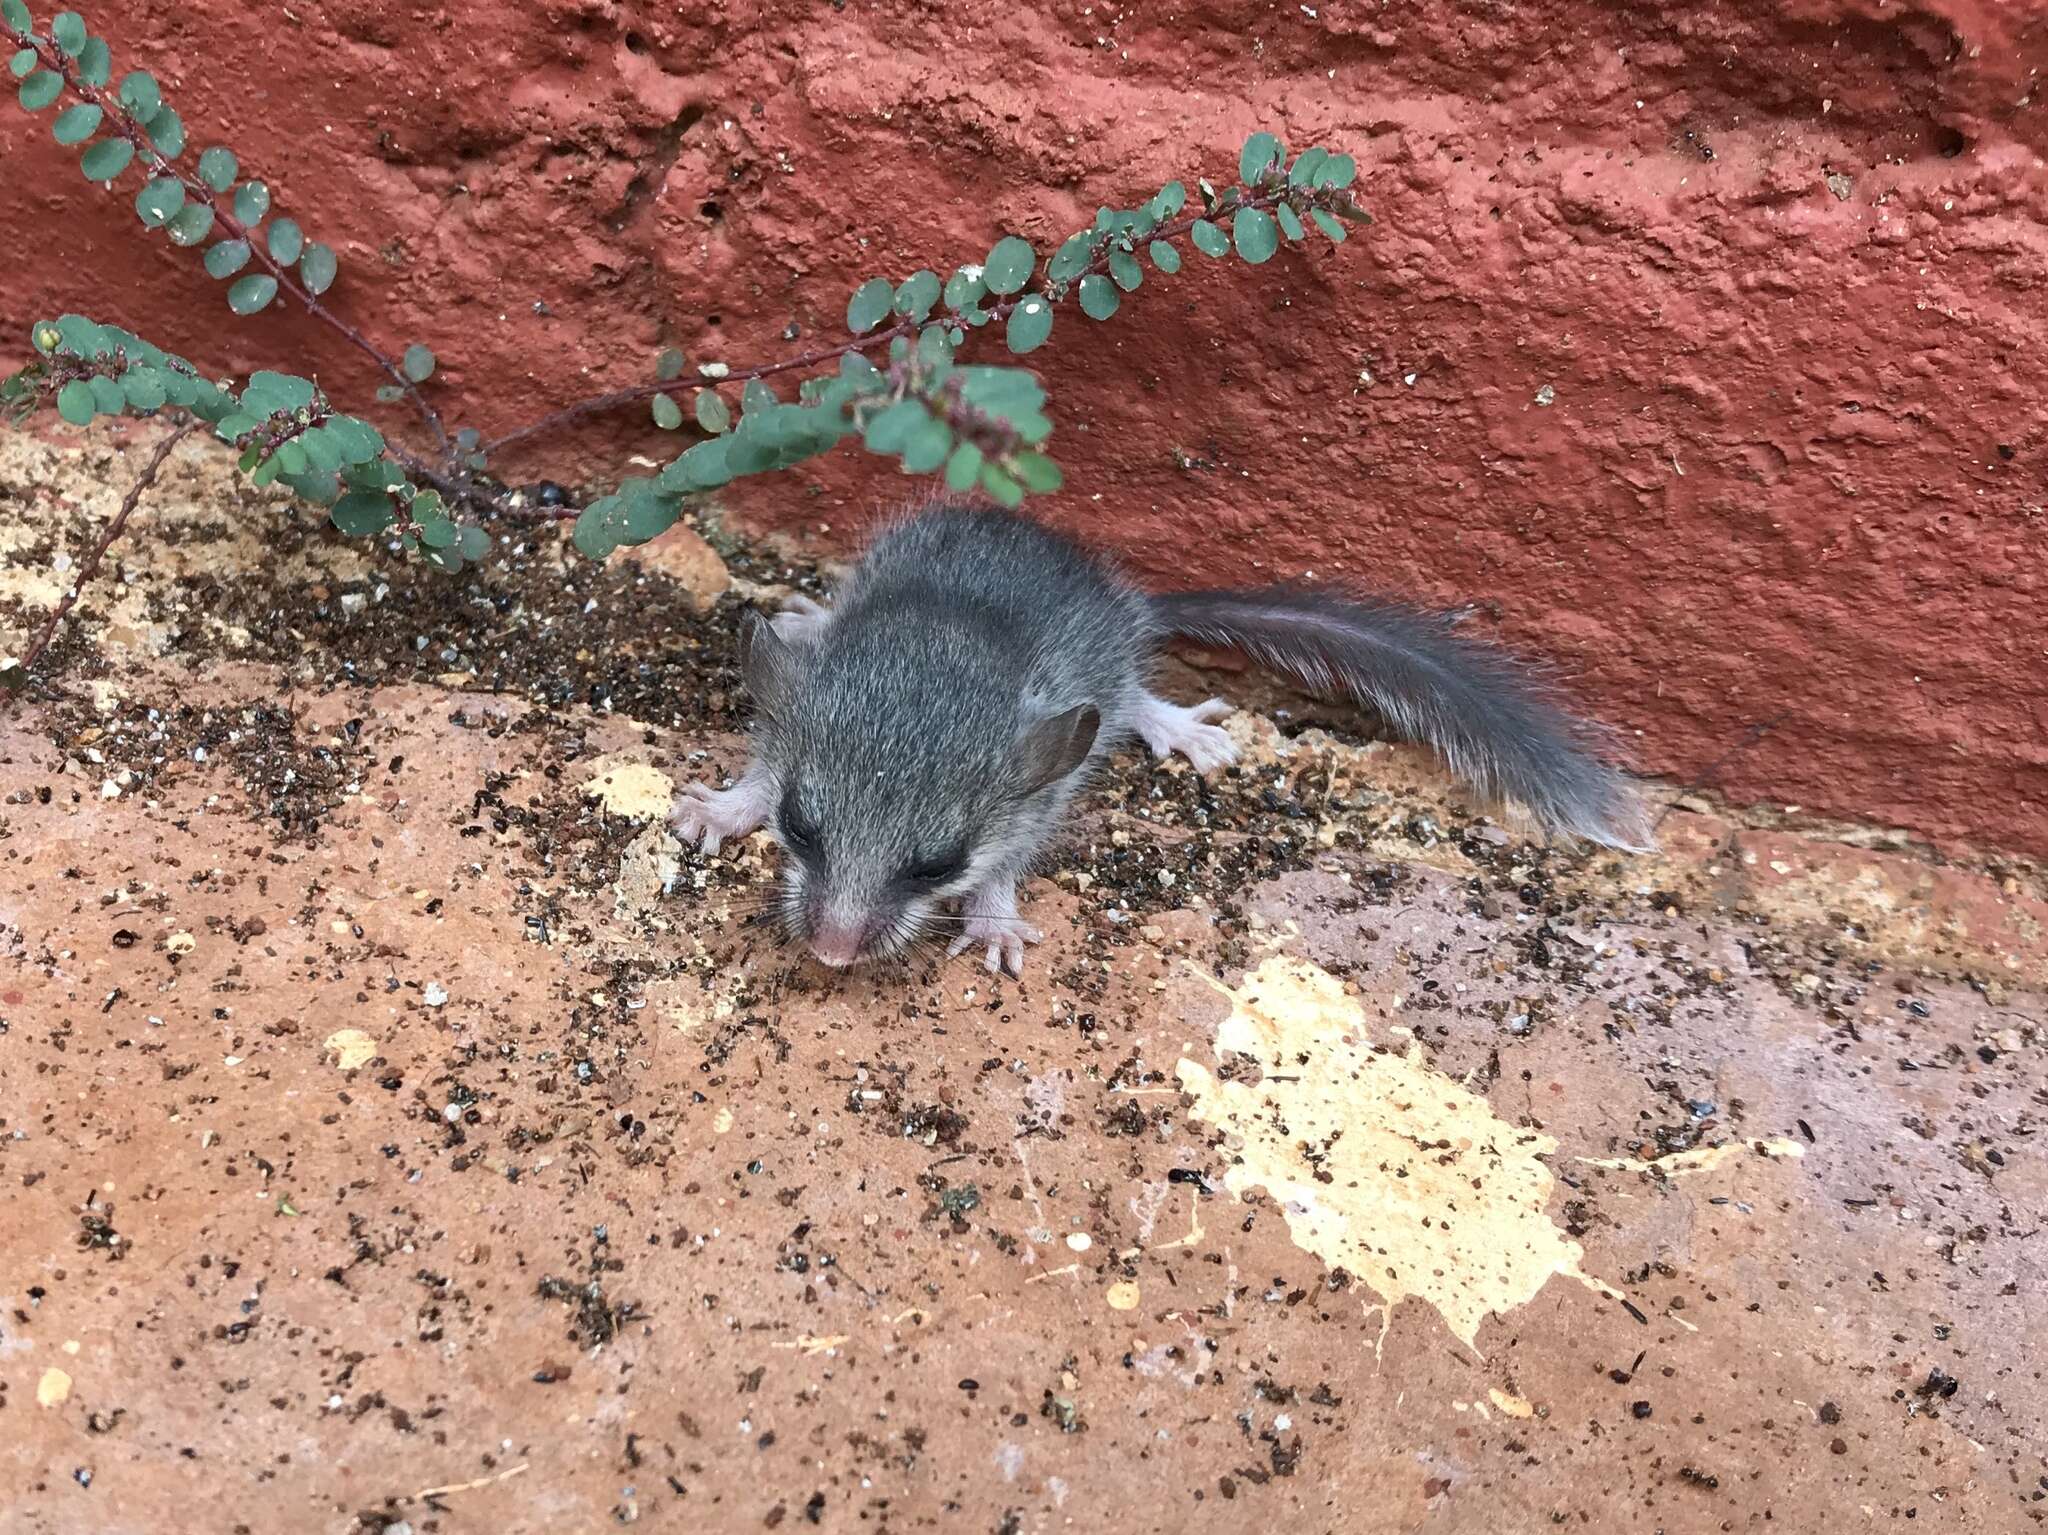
x: 835, y: 945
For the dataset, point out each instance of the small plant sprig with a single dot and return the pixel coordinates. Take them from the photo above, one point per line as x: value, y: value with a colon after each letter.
x: 896, y: 384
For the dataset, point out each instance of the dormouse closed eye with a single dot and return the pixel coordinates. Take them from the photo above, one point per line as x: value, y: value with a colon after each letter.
x: 937, y: 868
x: 799, y: 832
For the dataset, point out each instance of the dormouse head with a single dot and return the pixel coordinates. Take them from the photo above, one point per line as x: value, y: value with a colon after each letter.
x: 901, y: 794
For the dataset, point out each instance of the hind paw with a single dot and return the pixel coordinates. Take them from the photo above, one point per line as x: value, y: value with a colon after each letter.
x: 1168, y: 728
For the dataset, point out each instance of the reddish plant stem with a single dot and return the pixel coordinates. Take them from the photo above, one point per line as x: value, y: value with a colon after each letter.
x: 1097, y: 265
x: 113, y: 531
x: 55, y: 59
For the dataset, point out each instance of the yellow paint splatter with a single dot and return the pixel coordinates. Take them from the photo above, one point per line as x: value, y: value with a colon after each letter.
x: 1416, y: 1186
x: 54, y: 1389
x: 350, y: 1048
x: 633, y: 790
x: 1701, y: 1159
x: 1513, y: 1406
x: 1122, y: 1296
x: 811, y: 1347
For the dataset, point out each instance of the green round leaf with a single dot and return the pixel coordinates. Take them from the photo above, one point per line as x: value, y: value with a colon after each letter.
x: 291, y: 459
x: 217, y: 168
x: 964, y: 288
x: 889, y: 430
x: 251, y: 294
x: 40, y: 89
x: 1030, y: 324
x: 323, y: 453
x: 67, y: 31
x: 1290, y: 222
x: 963, y: 469
x: 140, y: 96
x: 74, y: 125
x: 474, y: 544
x: 158, y: 201
x: 252, y: 202
x: 1072, y: 258
x: 934, y: 345
x: 109, y: 396
x: 23, y: 63
x: 74, y: 402
x: 167, y: 132
x: 286, y: 241
x: 919, y: 292
x: 930, y: 442
x: 190, y: 224
x: 417, y: 364
x: 1336, y: 171
x: 269, y: 393
x: 106, y: 159
x: 1256, y: 235
x: 599, y: 528
x: 1037, y: 472
x: 1209, y: 239
x: 667, y: 414
x: 1306, y: 164
x: 316, y: 269
x: 1164, y: 256
x: 1171, y: 199
x: 1009, y: 265
x: 1260, y: 151
x: 95, y: 63
x: 669, y: 364
x: 144, y: 388
x: 1099, y: 298
x: 869, y: 305
x: 1123, y: 266
x: 16, y: 15
x: 362, y: 513
x: 1000, y: 486
x: 703, y: 467
x: 713, y: 414
x: 1329, y: 224
x: 226, y: 258
x: 358, y: 442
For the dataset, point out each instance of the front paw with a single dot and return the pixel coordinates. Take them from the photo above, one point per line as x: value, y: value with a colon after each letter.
x: 1002, y: 940
x: 712, y: 817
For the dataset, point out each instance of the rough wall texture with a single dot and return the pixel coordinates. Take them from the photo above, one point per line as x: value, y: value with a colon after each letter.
x: 1704, y: 342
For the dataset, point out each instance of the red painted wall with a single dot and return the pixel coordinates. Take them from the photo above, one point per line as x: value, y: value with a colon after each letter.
x: 1734, y: 441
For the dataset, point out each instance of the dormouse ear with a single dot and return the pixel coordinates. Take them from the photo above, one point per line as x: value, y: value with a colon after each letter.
x: 1054, y: 747
x: 770, y: 665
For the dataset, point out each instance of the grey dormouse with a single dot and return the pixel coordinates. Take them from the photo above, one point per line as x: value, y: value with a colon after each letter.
x: 917, y: 743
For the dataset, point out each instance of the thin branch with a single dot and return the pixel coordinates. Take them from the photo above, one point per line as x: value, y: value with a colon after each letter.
x: 113, y: 531
x: 55, y: 59
x: 1099, y: 263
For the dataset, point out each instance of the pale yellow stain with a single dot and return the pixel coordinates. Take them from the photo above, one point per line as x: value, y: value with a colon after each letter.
x: 811, y: 1347
x: 181, y: 943
x: 350, y: 1048
x: 1428, y: 1195
x: 54, y: 1389
x: 1513, y: 1406
x: 1122, y: 1296
x: 721, y: 1121
x: 633, y: 790
x: 1700, y: 1159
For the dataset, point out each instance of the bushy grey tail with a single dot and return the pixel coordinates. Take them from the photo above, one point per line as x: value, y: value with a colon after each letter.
x: 1477, y: 706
